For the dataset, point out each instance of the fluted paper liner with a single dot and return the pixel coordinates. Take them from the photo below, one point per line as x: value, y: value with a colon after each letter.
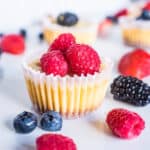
x: 71, y: 96
x: 136, y: 32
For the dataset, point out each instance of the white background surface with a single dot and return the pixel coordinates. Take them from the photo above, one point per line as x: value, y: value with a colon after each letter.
x: 89, y: 133
x: 17, y: 13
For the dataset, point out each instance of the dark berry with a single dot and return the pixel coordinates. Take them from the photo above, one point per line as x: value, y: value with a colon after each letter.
x: 139, y: 18
x: 145, y: 15
x: 25, y: 122
x: 67, y: 19
x: 132, y: 90
x: 113, y: 19
x: 51, y: 121
x: 23, y: 32
x: 1, y: 35
x: 1, y: 51
x: 41, y: 36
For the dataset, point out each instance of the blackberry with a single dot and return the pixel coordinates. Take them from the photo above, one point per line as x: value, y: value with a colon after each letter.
x: 67, y: 19
x: 130, y: 89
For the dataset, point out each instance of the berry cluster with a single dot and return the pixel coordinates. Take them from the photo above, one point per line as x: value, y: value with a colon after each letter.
x: 145, y: 15
x: 121, y: 13
x: 106, y: 24
x: 64, y: 57
x: 26, y: 122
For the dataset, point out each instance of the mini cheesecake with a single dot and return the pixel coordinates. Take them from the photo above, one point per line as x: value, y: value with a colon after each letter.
x: 85, y: 31
x: 136, y: 31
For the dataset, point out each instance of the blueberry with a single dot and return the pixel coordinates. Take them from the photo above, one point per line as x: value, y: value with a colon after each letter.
x: 25, y: 122
x: 51, y: 121
x: 67, y: 19
x: 145, y: 15
x: 113, y: 19
x: 41, y: 36
x: 23, y: 32
x: 1, y: 34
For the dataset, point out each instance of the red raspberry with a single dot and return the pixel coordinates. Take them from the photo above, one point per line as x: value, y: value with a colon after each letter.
x: 124, y: 123
x: 13, y: 44
x: 135, y: 64
x: 55, y: 142
x: 53, y: 62
x: 123, y: 12
x: 63, y: 42
x: 83, y: 59
x: 147, y: 6
x: 104, y: 27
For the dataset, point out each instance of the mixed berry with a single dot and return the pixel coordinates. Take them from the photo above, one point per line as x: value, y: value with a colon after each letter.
x: 145, y: 15
x: 131, y: 90
x: 109, y: 21
x: 65, y: 56
x: 25, y: 122
x: 1, y: 35
x: 62, y: 42
x: 51, y: 121
x: 138, y: 60
x: 120, y: 13
x: 1, y: 51
x: 54, y: 62
x: 23, y: 32
x: 83, y: 59
x: 41, y: 36
x: 13, y: 44
x: 55, y: 142
x: 124, y: 123
x: 114, y: 18
x: 67, y: 19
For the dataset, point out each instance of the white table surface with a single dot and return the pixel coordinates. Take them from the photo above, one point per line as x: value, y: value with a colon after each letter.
x: 19, y: 13
x: 90, y: 132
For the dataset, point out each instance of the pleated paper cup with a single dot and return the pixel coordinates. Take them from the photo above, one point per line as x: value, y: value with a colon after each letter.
x: 70, y: 96
x: 136, y: 33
